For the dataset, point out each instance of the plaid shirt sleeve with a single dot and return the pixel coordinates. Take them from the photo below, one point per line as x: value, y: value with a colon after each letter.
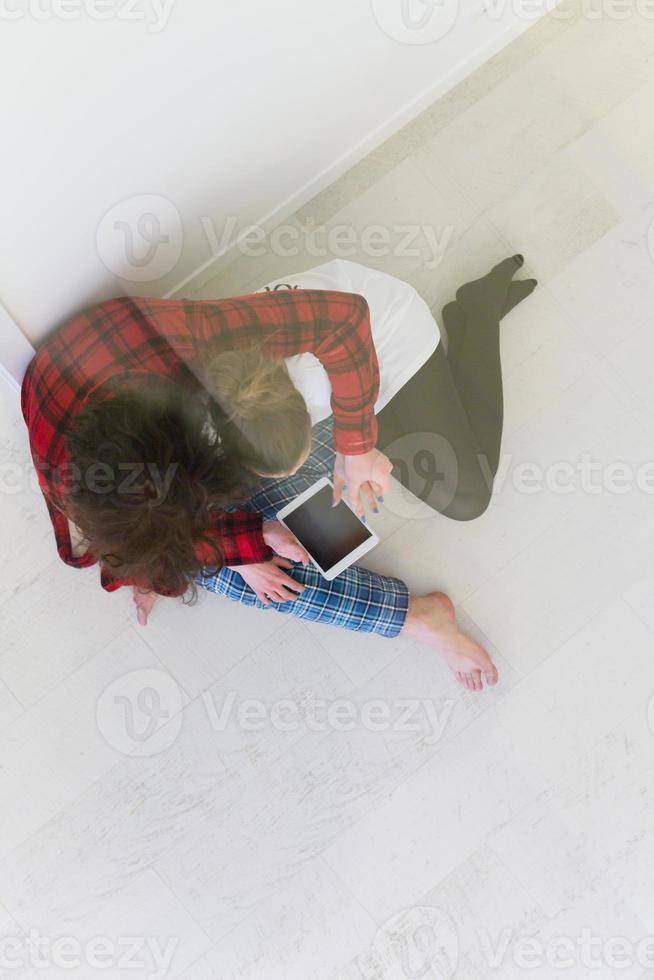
x: 333, y: 326
x: 62, y: 538
x: 241, y: 538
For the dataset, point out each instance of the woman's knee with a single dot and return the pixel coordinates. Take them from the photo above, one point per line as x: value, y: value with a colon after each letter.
x: 470, y: 504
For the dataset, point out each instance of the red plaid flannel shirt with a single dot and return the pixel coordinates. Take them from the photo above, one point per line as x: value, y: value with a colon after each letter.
x: 170, y: 337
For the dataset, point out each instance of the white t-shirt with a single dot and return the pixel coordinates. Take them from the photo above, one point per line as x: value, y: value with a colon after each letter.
x: 404, y: 331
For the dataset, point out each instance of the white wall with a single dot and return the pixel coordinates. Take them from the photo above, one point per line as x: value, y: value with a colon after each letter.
x: 220, y: 107
x: 15, y: 351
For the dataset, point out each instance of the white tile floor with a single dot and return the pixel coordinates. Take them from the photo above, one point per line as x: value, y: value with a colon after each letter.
x: 416, y: 830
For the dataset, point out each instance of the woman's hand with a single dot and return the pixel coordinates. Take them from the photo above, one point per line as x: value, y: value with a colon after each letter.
x: 368, y: 474
x: 144, y: 601
x: 269, y: 582
x: 283, y: 543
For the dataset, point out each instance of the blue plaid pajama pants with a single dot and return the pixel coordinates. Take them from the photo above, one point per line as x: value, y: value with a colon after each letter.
x: 357, y: 599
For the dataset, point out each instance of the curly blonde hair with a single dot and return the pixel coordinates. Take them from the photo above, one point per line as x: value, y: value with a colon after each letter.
x: 261, y: 416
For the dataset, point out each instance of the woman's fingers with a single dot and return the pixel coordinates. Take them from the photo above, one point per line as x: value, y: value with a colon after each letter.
x: 281, y: 579
x: 262, y: 597
x: 283, y: 595
x: 354, y: 497
x: 339, y: 485
x: 299, y: 554
x: 281, y: 562
x: 280, y: 594
x: 369, y: 496
x: 381, y: 474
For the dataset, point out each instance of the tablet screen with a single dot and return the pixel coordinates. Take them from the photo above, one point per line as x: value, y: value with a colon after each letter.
x: 328, y: 533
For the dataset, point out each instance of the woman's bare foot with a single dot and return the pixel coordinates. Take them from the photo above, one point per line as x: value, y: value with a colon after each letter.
x: 431, y: 619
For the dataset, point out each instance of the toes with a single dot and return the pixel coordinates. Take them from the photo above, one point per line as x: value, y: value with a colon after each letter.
x: 508, y: 267
x: 491, y: 676
x: 464, y: 679
x: 518, y: 290
x: 471, y: 680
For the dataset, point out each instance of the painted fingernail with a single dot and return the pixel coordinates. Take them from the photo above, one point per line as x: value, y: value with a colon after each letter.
x: 363, y: 520
x: 380, y: 499
x: 376, y: 510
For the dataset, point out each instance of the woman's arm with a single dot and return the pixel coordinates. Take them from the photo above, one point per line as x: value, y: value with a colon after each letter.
x: 333, y: 326
x: 61, y: 527
x: 247, y: 540
x: 241, y: 535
